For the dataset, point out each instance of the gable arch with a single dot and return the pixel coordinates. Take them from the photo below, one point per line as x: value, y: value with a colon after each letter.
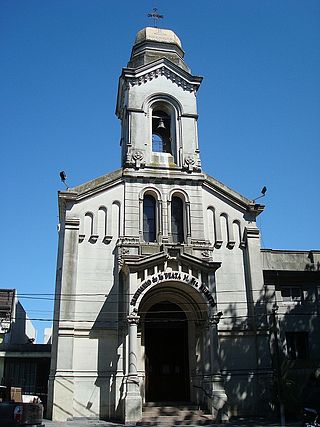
x: 152, y: 191
x: 177, y: 281
x: 193, y: 305
x: 178, y: 192
x: 162, y: 98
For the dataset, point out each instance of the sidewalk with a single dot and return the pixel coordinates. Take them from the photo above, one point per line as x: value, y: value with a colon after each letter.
x: 80, y: 423
x: 235, y: 423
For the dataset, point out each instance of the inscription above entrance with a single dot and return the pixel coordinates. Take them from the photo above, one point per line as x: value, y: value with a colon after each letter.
x: 177, y: 276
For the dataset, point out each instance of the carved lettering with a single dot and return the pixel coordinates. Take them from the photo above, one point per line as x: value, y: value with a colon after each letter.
x: 174, y: 275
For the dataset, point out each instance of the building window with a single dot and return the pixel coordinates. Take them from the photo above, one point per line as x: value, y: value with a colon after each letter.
x: 177, y: 220
x: 161, y: 132
x: 291, y: 294
x: 297, y: 345
x: 149, y: 219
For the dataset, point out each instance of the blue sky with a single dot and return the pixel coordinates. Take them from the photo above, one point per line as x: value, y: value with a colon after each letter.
x: 259, y: 113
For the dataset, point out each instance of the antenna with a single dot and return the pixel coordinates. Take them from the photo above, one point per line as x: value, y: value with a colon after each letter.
x: 63, y: 178
x: 263, y: 193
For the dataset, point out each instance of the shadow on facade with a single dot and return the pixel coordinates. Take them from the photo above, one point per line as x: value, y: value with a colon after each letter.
x: 108, y: 331
x: 260, y: 340
x: 298, y: 337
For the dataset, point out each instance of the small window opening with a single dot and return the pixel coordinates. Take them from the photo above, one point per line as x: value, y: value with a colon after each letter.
x: 297, y: 345
x: 177, y: 222
x: 149, y: 219
x: 161, y: 132
x: 292, y: 294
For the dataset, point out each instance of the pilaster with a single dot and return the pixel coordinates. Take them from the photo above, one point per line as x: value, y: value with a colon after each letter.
x: 61, y: 383
x: 254, y: 271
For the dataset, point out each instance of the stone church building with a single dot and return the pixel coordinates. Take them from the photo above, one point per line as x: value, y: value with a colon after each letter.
x: 163, y: 293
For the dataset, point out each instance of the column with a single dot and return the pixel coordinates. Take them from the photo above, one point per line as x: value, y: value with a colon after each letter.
x: 133, y: 320
x: 133, y: 400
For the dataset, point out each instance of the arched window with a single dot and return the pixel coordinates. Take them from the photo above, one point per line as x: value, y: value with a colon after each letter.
x: 177, y: 220
x: 161, y: 132
x: 149, y: 219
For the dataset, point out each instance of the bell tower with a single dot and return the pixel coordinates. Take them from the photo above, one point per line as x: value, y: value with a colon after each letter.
x: 157, y: 105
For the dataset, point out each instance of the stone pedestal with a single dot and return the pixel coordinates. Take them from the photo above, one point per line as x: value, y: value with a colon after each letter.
x: 217, y: 401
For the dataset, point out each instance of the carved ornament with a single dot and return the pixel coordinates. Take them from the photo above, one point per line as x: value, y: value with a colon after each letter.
x: 170, y: 75
x: 136, y: 158
x: 190, y: 164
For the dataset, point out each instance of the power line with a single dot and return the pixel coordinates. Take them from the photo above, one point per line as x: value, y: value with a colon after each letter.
x: 160, y: 319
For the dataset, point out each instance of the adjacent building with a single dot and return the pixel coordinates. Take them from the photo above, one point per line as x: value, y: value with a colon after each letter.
x: 23, y: 363
x: 163, y: 293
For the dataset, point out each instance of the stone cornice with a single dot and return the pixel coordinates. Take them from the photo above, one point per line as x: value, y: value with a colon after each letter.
x: 200, y: 263
x: 153, y: 70
x: 240, y: 202
x: 86, y: 190
x: 138, y: 263
x: 162, y: 71
x: 226, y: 192
x: 160, y: 67
x: 63, y: 198
x: 92, y: 187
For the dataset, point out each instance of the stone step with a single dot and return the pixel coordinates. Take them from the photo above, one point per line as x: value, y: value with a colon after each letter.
x: 168, y: 421
x: 170, y: 410
x: 174, y: 415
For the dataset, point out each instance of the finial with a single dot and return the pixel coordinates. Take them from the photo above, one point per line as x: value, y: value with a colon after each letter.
x: 155, y: 16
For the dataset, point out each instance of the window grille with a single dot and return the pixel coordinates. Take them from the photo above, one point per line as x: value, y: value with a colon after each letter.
x: 177, y: 220
x: 149, y: 219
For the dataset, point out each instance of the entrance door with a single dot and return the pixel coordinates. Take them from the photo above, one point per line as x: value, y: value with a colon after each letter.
x: 166, y: 349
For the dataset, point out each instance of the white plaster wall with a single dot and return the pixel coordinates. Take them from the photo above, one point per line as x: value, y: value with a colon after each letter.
x: 95, y: 274
x: 89, y: 349
x: 230, y: 277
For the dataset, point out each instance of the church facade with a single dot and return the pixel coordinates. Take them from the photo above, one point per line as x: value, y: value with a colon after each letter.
x: 161, y: 289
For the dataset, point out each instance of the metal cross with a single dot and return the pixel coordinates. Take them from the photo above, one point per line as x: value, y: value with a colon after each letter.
x: 155, y: 16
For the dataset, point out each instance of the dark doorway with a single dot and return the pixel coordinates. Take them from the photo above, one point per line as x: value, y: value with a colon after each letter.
x: 166, y: 347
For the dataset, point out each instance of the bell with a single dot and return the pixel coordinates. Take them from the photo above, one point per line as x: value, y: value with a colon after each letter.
x: 161, y: 124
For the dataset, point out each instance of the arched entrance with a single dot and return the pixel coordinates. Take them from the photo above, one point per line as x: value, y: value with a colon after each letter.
x: 166, y: 353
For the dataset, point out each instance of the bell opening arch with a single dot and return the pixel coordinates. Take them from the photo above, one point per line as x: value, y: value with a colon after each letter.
x: 164, y: 113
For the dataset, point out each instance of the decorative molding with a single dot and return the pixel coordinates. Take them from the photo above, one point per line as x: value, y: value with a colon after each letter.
x: 135, y: 158
x: 107, y: 239
x: 72, y: 223
x: 205, y: 254
x: 252, y: 233
x: 205, y: 244
x: 218, y: 244
x: 129, y: 241
x: 191, y: 164
x: 133, y: 318
x: 163, y: 71
x: 231, y: 244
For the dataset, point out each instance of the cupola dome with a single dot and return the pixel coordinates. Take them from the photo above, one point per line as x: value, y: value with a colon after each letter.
x: 152, y: 44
